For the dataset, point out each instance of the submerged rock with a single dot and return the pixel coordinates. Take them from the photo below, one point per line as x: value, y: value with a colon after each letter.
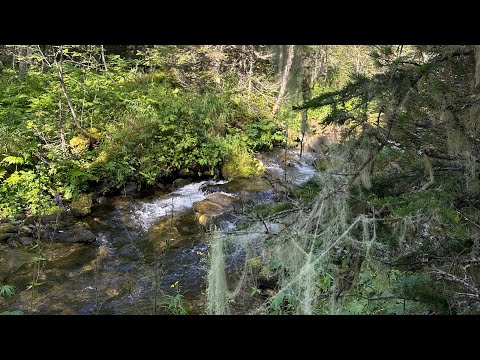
x: 71, y: 257
x: 172, y: 231
x: 13, y: 260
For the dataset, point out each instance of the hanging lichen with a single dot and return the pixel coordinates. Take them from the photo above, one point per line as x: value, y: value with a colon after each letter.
x: 428, y: 167
x: 471, y: 172
x: 477, y: 66
x: 217, y: 299
x: 456, y: 139
x: 302, y: 250
x: 472, y: 121
x: 365, y: 176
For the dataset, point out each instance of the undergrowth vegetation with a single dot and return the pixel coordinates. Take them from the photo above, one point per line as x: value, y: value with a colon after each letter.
x: 117, y: 123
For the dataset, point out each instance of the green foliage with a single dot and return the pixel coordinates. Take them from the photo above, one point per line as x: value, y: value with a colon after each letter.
x: 283, y: 303
x: 82, y: 204
x: 308, y: 190
x: 136, y: 126
x: 264, y: 210
x: 7, y: 290
x: 9, y: 160
x: 426, y: 291
x: 26, y: 190
x: 177, y: 306
x: 15, y: 312
x: 263, y: 134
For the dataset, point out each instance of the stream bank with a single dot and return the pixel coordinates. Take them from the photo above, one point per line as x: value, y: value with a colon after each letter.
x: 112, y: 260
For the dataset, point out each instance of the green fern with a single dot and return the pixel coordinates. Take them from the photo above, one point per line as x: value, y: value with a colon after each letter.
x: 7, y: 290
x: 10, y: 160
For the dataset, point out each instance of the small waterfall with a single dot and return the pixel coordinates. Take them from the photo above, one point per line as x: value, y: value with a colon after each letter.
x: 299, y: 168
x: 178, y: 201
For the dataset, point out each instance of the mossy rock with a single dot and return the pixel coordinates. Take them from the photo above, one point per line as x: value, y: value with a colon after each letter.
x: 203, y: 219
x: 5, y: 228
x: 79, y: 144
x: 178, y: 183
x: 81, y: 205
x: 208, y: 208
x: 185, y: 172
x: 242, y: 166
x: 94, y: 133
x: 252, y: 185
x: 5, y: 236
x: 213, y: 206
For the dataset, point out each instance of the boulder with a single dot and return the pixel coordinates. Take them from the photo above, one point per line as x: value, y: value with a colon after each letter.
x: 254, y: 185
x: 101, y: 200
x: 178, y: 183
x: 70, y: 236
x: 225, y: 201
x: 171, y: 232
x: 5, y: 236
x: 130, y: 188
x: 247, y: 190
x: 30, y: 220
x: 25, y: 230
x: 213, y: 206
x: 26, y: 241
x: 81, y: 205
x: 20, y: 217
x: 243, y: 166
x: 160, y: 186
x: 6, y: 228
x: 207, y: 207
x: 51, y: 218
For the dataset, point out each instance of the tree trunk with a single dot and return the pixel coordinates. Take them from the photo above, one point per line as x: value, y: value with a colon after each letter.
x: 304, y: 124
x: 250, y: 70
x: 285, y: 77
x: 22, y: 63
x: 477, y: 67
x: 60, y: 117
x: 65, y: 94
x: 103, y: 58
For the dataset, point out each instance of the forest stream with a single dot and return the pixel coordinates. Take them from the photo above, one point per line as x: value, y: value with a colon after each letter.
x: 161, y: 236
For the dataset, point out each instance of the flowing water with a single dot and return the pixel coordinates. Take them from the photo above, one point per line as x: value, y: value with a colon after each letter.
x: 142, y: 244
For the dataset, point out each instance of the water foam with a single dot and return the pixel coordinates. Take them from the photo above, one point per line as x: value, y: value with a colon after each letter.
x: 178, y: 201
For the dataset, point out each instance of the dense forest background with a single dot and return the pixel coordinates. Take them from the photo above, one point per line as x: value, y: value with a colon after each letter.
x: 389, y: 226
